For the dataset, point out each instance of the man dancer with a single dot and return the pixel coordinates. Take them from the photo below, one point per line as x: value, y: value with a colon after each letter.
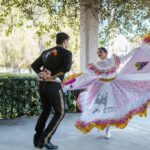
x: 51, y: 66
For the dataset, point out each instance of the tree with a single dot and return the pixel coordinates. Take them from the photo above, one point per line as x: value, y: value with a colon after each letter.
x: 45, y: 23
x: 128, y: 17
x: 124, y: 16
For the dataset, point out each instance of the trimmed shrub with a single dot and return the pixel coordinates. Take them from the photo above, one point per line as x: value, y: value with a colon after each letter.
x: 19, y: 96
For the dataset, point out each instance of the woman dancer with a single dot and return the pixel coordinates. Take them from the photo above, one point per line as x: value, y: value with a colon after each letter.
x: 111, y: 99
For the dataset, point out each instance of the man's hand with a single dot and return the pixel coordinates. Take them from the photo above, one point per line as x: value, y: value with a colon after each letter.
x: 45, y: 74
x: 41, y: 74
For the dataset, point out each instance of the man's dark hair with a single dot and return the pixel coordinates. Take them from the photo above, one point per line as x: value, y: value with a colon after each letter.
x: 103, y: 49
x: 61, y: 37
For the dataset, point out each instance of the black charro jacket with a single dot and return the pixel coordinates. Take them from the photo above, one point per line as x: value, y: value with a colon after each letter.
x: 56, y: 59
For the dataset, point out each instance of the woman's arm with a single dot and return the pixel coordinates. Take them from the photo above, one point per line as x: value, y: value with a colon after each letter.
x: 82, y: 82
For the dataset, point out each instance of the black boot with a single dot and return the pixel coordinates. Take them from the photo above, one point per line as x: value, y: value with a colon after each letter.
x: 36, y: 141
x: 50, y: 146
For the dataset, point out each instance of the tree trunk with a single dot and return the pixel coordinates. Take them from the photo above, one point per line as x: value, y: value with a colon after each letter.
x: 89, y: 24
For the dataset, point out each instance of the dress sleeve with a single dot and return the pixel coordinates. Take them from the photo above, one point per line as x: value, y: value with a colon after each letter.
x: 83, y: 81
x: 125, y: 57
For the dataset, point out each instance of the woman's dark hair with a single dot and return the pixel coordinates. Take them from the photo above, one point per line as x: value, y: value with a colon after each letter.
x: 103, y: 49
x: 61, y: 37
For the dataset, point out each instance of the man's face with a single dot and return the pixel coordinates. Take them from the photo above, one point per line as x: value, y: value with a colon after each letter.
x: 66, y: 44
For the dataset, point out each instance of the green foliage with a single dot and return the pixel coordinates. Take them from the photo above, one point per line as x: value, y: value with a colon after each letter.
x: 19, y: 96
x: 127, y: 17
x: 19, y: 49
x: 30, y: 27
x: 47, y: 17
x: 15, y: 75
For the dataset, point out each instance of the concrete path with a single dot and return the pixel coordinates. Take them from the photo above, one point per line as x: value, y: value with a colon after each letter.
x: 17, y: 135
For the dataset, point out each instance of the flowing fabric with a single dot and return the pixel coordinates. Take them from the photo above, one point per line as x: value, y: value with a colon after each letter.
x: 111, y: 98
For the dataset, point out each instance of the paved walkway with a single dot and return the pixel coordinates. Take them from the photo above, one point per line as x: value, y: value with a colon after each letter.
x: 17, y: 135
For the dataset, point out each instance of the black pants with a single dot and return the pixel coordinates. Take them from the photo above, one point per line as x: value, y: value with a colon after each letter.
x: 51, y: 96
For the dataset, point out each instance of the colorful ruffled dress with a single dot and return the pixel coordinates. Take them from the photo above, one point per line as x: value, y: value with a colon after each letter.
x: 111, y: 98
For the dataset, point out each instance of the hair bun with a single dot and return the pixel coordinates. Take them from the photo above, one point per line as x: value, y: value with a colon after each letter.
x: 103, y: 49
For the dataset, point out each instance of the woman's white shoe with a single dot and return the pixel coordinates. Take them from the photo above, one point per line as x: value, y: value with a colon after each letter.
x: 107, y: 133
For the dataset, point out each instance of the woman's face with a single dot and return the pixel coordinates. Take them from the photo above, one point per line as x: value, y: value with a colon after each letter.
x: 101, y: 54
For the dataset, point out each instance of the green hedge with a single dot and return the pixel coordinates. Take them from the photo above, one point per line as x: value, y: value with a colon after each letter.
x: 19, y: 96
